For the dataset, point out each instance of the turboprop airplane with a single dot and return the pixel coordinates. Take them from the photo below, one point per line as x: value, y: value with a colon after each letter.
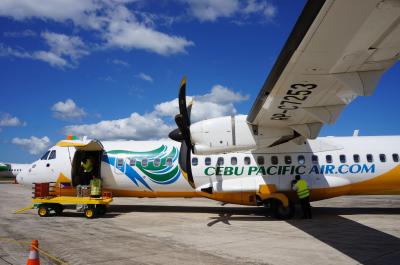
x: 337, y: 51
x: 11, y: 170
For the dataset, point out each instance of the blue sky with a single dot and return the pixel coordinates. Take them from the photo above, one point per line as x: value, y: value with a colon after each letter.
x: 110, y: 69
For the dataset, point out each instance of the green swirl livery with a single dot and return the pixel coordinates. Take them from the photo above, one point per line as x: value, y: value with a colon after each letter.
x: 161, y: 168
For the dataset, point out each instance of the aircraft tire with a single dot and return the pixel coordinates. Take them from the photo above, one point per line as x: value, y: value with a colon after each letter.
x: 281, y: 212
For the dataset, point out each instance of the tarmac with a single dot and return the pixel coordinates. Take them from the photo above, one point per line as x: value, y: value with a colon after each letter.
x: 345, y: 230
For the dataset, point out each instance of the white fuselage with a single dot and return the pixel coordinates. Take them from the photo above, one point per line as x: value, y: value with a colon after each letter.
x: 11, y: 170
x: 332, y: 166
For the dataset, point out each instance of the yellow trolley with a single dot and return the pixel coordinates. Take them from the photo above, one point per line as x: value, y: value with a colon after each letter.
x: 45, y: 199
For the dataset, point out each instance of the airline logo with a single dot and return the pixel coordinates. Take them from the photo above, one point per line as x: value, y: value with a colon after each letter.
x: 290, y: 170
x: 159, y: 165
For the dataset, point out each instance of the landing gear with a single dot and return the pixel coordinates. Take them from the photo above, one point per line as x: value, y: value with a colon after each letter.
x: 278, y: 210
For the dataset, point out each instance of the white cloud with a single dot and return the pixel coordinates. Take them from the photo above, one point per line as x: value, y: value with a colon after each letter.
x: 153, y: 126
x: 7, y: 120
x: 64, y: 50
x: 211, y: 10
x: 67, y: 110
x: 115, y: 24
x: 145, y: 77
x: 120, y: 62
x: 20, y: 34
x: 219, y: 102
x: 63, y: 45
x: 59, y: 10
x: 50, y: 58
x: 136, y: 127
x: 128, y: 34
x: 34, y: 144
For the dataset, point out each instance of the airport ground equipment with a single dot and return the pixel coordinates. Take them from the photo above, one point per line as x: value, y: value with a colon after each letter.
x: 48, y: 197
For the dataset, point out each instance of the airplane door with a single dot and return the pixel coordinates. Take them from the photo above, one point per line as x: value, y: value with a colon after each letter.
x: 119, y: 166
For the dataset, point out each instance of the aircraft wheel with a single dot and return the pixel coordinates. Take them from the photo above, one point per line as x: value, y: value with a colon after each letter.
x: 43, y: 211
x: 281, y: 212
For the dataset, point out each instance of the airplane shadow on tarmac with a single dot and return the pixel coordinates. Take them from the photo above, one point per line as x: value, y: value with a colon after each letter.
x: 362, y: 243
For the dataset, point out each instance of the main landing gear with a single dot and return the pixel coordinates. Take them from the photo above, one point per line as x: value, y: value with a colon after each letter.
x: 278, y: 210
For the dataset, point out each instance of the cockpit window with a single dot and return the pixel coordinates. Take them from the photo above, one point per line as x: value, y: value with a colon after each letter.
x: 52, y: 155
x: 44, y: 157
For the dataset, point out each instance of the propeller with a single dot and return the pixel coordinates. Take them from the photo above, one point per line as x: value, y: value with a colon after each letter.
x: 182, y: 134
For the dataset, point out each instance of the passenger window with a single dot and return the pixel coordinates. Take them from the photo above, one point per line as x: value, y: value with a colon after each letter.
x: 132, y: 162
x: 328, y: 159
x: 44, y: 157
x: 168, y: 162
x: 260, y: 160
x: 52, y: 155
x: 301, y: 160
x: 220, y: 161
x: 144, y: 162
x: 157, y: 162
x: 207, y: 161
x: 395, y: 157
x: 382, y: 157
x: 233, y: 160
x: 288, y: 160
x: 195, y: 161
x: 247, y: 160
x: 356, y: 158
x: 120, y: 162
x: 342, y: 158
x: 314, y: 159
x: 370, y: 158
x: 274, y: 160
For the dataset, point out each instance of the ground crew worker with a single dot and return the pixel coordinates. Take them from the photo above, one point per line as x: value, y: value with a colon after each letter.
x: 95, y: 187
x: 300, y: 185
x: 87, y: 165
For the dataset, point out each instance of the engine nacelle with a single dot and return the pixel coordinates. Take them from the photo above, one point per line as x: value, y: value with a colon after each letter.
x: 231, y: 134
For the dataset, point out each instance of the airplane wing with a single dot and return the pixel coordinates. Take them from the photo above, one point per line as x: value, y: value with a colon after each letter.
x: 337, y: 51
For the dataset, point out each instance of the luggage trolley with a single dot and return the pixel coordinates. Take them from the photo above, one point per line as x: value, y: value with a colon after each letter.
x: 48, y: 197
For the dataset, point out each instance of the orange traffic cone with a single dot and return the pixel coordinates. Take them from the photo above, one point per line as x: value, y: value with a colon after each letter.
x: 33, y: 254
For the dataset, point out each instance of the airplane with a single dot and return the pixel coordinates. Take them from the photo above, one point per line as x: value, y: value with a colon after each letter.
x: 336, y: 52
x: 11, y: 170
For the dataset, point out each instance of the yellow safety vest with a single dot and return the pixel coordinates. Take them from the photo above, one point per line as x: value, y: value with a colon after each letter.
x: 95, y: 187
x: 302, y: 189
x: 88, y: 166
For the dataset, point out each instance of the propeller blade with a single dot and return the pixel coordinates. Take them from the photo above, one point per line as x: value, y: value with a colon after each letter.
x: 182, y: 101
x: 182, y: 134
x: 185, y: 164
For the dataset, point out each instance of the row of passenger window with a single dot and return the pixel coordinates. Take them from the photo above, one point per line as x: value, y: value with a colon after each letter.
x: 144, y: 162
x: 300, y: 159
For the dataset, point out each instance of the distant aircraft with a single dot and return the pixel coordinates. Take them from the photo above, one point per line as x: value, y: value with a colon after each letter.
x: 11, y: 170
x: 337, y: 51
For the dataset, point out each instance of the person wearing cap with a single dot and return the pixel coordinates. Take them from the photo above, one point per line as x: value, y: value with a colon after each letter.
x: 301, y: 187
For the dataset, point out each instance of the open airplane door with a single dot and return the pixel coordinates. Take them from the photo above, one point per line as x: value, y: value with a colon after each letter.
x: 79, y: 151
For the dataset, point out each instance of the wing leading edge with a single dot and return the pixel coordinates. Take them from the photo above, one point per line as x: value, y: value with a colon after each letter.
x: 337, y: 51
